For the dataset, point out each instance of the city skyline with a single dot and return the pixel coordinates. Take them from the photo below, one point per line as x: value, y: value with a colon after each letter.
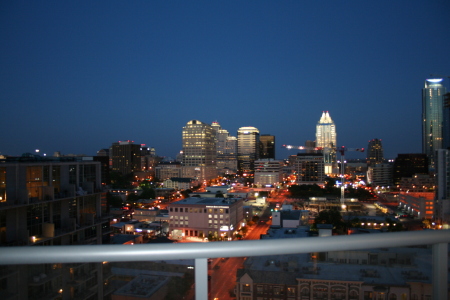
x: 77, y: 77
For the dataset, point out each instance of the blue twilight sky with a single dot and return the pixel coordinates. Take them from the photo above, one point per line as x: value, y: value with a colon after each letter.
x: 77, y: 76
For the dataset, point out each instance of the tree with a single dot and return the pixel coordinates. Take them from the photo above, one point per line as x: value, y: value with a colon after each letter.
x: 148, y: 193
x: 114, y: 201
x: 331, y: 216
x: 120, y: 181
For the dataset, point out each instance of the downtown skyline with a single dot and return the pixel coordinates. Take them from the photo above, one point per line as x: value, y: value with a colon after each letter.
x: 78, y: 77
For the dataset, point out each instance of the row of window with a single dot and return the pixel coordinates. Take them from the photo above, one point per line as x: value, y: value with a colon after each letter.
x: 199, y: 210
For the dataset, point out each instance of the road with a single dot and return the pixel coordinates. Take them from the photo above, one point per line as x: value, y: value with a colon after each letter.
x: 223, y: 271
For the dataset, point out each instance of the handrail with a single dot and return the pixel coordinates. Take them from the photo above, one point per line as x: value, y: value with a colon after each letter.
x: 139, y: 252
x: 439, y: 240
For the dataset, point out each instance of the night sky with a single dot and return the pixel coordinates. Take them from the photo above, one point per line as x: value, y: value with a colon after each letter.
x: 77, y: 76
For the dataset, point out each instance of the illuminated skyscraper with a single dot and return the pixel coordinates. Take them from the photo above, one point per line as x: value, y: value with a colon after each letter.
x: 375, y: 152
x: 432, y: 118
x: 226, y: 149
x: 199, y: 151
x: 326, y: 139
x: 248, y: 149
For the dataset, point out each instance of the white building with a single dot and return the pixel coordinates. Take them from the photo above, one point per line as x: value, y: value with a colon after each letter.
x: 380, y: 175
x: 179, y: 183
x: 202, y: 217
x: 326, y: 140
x: 268, y: 172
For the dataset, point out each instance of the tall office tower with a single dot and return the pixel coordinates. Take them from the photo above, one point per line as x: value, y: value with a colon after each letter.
x: 226, y: 149
x: 53, y: 202
x: 267, y: 146
x: 407, y: 165
x: 432, y: 118
x: 326, y: 139
x: 125, y: 157
x: 199, y: 151
x: 248, y: 149
x: 446, y: 130
x: 375, y: 152
x: 443, y: 186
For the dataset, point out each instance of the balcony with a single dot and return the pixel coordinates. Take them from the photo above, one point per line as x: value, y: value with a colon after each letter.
x: 200, y: 252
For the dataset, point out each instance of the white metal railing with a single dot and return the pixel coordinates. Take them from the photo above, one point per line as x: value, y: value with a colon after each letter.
x: 439, y: 240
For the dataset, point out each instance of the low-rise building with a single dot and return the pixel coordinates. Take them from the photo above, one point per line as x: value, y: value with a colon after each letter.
x: 179, y: 183
x: 197, y: 217
x: 268, y: 172
x: 397, y: 273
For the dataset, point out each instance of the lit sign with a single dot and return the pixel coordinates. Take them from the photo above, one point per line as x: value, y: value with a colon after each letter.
x: 226, y: 228
x: 214, y: 206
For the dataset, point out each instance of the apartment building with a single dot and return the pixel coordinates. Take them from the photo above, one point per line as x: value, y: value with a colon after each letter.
x: 53, y: 201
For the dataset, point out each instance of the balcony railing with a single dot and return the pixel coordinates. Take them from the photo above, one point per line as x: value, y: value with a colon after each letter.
x: 438, y: 239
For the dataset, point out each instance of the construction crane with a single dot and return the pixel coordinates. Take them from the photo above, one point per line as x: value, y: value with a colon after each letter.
x: 341, y: 150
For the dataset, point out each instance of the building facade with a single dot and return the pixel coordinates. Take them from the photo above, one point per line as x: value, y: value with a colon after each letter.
x: 432, y: 118
x: 308, y: 168
x: 50, y: 202
x: 443, y: 186
x: 165, y: 170
x: 407, y: 165
x: 199, y: 151
x: 380, y: 175
x: 226, y: 149
x: 198, y: 217
x: 326, y: 140
x: 248, y: 149
x: 268, y: 172
x: 267, y: 146
x: 125, y: 157
x: 375, y: 152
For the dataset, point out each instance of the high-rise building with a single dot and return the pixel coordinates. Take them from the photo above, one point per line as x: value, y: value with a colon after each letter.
x: 443, y: 186
x: 407, y: 165
x: 432, y: 118
x: 326, y: 139
x: 308, y: 168
x: 380, y: 175
x: 199, y: 151
x: 267, y: 146
x: 226, y: 149
x: 53, y: 202
x: 446, y: 130
x: 125, y: 157
x: 375, y: 152
x: 248, y: 149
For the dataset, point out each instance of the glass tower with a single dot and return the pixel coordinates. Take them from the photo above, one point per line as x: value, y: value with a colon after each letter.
x: 326, y: 139
x: 432, y: 118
